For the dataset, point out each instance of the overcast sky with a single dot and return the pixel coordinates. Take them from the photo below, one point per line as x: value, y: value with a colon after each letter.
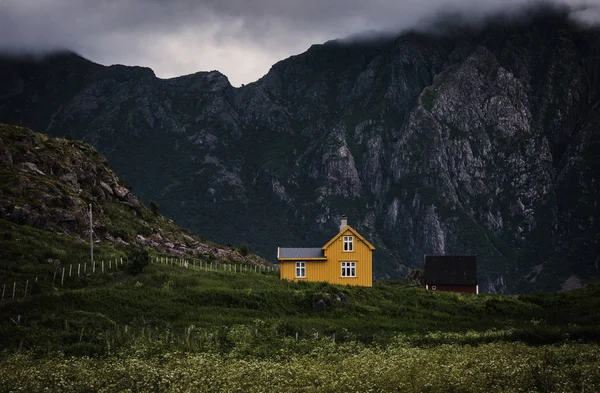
x: 240, y: 38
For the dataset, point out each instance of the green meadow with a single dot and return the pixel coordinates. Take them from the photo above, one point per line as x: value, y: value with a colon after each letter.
x: 177, y: 329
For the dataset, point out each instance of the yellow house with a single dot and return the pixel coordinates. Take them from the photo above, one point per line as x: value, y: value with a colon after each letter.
x: 346, y: 259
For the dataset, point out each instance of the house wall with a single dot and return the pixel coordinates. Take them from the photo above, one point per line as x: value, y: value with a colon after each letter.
x: 453, y: 288
x: 362, y: 255
x: 331, y: 270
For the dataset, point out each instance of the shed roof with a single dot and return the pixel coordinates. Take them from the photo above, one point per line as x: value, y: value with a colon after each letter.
x: 450, y: 270
x: 300, y: 253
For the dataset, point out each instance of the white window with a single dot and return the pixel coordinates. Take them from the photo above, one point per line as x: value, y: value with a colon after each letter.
x: 300, y: 269
x: 348, y: 269
x: 348, y: 243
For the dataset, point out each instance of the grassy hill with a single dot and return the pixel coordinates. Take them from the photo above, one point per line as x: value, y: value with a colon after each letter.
x: 172, y: 328
x: 170, y: 298
x: 46, y: 188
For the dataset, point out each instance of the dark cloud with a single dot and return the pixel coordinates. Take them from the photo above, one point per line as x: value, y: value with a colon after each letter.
x: 241, y: 38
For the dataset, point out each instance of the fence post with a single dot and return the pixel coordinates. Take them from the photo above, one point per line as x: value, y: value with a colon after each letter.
x: 94, y: 267
x: 109, y: 264
x: 3, y: 289
x: 26, y: 285
x: 84, y: 268
x: 70, y: 269
x: 78, y: 269
x: 14, y: 288
x: 62, y: 279
x: 54, y: 278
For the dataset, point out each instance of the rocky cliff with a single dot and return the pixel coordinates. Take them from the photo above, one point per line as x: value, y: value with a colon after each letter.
x: 482, y: 141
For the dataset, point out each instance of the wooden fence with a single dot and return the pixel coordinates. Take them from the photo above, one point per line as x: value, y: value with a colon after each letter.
x: 20, y: 290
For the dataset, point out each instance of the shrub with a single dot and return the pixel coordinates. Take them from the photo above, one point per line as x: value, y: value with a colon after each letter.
x: 415, y: 277
x: 84, y: 349
x: 138, y: 258
x: 155, y: 208
x: 123, y: 233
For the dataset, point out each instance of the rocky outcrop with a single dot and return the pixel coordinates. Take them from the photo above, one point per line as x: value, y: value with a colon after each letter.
x: 50, y: 184
x: 481, y: 141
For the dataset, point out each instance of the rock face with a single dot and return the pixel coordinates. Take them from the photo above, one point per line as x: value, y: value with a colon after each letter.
x: 476, y: 141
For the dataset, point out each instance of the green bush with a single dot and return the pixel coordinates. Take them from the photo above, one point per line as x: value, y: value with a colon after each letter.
x: 155, y: 208
x: 84, y: 349
x: 415, y: 277
x: 139, y: 259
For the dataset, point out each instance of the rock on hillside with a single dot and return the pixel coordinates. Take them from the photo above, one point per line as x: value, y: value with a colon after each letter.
x: 482, y: 141
x: 49, y: 183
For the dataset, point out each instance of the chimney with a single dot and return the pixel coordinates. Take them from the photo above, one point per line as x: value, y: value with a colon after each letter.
x: 344, y: 222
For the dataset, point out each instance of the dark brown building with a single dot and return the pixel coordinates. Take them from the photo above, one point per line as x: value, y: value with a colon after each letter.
x: 451, y: 273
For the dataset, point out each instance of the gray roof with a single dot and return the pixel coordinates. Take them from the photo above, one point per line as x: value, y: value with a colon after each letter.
x: 300, y: 253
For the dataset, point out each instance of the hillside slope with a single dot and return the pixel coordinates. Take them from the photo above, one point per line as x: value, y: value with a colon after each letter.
x: 480, y: 141
x: 48, y: 184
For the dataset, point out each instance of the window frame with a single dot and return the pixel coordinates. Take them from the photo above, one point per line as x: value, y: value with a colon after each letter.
x: 348, y: 269
x: 348, y: 240
x: 300, y: 267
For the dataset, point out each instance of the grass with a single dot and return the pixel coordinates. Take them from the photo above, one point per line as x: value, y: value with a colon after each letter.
x: 166, y: 297
x: 349, y: 367
x: 176, y: 329
x: 42, y: 246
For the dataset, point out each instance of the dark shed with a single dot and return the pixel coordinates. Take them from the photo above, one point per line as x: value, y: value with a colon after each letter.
x: 456, y: 273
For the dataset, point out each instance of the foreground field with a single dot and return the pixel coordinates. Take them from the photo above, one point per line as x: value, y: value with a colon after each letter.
x: 206, y: 307
x: 350, y: 367
x: 172, y: 329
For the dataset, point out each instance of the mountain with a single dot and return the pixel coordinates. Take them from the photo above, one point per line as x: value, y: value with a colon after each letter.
x: 49, y: 184
x: 467, y: 140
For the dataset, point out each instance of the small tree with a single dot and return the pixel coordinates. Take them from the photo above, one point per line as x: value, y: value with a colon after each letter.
x: 415, y: 277
x: 155, y: 208
x: 138, y: 258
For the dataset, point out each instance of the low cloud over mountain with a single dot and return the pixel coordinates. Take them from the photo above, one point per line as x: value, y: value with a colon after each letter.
x: 240, y: 38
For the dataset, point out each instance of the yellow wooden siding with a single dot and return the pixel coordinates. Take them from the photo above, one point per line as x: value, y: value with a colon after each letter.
x: 331, y: 270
